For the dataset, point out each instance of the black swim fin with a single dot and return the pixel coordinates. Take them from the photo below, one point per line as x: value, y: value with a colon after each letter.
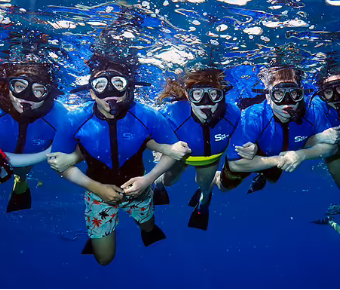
x: 199, y: 219
x: 19, y: 201
x: 195, y: 198
x: 324, y: 221
x: 258, y: 183
x: 152, y: 237
x: 88, y: 249
x: 160, y: 196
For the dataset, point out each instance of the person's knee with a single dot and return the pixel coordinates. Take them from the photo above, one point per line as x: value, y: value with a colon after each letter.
x: 105, y: 260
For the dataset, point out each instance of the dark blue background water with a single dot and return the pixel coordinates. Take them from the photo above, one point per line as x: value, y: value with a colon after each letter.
x: 262, y: 240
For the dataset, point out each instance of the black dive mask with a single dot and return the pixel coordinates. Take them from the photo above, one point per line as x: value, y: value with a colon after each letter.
x: 205, y: 95
x: 286, y: 94
x: 31, y: 89
x: 112, y: 84
x: 330, y: 92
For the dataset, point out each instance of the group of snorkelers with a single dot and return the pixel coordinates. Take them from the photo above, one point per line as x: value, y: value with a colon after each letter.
x: 111, y: 133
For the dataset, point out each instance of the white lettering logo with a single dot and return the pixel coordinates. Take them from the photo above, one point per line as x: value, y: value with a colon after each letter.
x: 220, y: 137
x: 127, y: 136
x: 300, y: 138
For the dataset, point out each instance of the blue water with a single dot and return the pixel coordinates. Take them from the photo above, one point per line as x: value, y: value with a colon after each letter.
x: 261, y: 240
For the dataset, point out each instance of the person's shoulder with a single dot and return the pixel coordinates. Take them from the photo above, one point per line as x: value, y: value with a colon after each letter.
x: 178, y: 111
x: 60, y: 108
x: 77, y: 116
x: 256, y: 111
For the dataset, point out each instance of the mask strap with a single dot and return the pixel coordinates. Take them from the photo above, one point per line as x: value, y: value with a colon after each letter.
x: 80, y: 89
x: 260, y: 91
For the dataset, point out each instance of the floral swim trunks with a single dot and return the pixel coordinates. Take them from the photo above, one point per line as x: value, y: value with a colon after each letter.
x: 102, y: 218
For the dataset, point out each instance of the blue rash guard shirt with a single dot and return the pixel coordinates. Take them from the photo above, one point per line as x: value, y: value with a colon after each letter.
x: 113, y: 148
x: 331, y: 114
x: 258, y: 125
x: 203, y: 140
x: 34, y: 137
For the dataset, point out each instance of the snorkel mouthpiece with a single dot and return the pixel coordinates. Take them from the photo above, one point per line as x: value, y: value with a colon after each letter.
x: 113, y: 107
x: 26, y: 107
x: 208, y: 113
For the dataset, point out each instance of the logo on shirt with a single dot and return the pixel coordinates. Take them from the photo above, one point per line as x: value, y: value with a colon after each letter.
x: 127, y: 136
x: 300, y: 138
x: 220, y: 137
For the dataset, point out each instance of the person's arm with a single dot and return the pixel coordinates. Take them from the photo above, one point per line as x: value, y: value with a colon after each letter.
x: 329, y: 136
x: 137, y: 185
x: 61, y: 161
x: 258, y: 163
x: 24, y: 160
x: 107, y: 192
x: 292, y: 159
x: 176, y: 151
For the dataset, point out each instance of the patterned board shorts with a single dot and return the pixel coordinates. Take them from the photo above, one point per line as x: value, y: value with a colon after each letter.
x: 102, y: 218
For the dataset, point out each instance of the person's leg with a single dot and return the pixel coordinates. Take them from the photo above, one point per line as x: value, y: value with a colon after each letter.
x: 101, y: 220
x: 227, y: 180
x: 172, y: 175
x: 141, y: 209
x: 167, y: 179
x: 204, y: 178
x: 104, y: 249
x: 333, y: 164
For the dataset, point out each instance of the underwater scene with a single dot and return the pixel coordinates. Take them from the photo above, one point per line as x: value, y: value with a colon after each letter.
x: 170, y: 144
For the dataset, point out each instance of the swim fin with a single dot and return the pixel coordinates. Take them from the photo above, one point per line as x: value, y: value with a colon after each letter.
x: 160, y: 196
x: 199, y: 218
x: 88, y: 249
x: 258, y: 183
x: 324, y: 221
x: 155, y: 235
x: 333, y: 209
x: 195, y: 198
x: 19, y: 201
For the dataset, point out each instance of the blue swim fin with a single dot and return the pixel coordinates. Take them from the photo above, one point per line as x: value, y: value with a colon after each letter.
x: 324, y: 221
x: 258, y: 183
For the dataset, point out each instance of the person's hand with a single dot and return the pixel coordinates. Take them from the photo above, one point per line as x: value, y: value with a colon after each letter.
x: 109, y: 193
x: 330, y: 136
x: 291, y: 160
x: 217, y: 181
x: 135, y: 186
x: 247, y: 151
x: 61, y: 161
x: 178, y: 150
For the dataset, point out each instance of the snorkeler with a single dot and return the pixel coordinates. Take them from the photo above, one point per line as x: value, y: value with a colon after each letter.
x: 29, y: 117
x: 280, y: 126
x: 203, y: 119
x: 333, y: 209
x: 112, y: 135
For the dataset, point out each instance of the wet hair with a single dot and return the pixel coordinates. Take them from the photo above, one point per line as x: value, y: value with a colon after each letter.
x: 98, y: 63
x: 43, y: 71
x: 270, y: 75
x: 177, y: 88
x: 325, y: 72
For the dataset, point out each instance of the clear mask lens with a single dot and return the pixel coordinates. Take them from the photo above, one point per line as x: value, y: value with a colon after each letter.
x: 39, y: 90
x: 18, y: 85
x: 99, y: 84
x: 119, y: 83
